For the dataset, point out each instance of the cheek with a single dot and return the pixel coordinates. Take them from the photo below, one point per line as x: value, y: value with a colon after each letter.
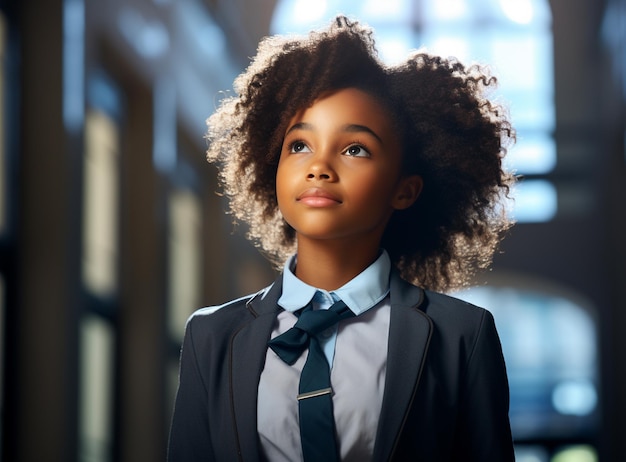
x: 372, y: 180
x: 282, y: 185
x: 372, y: 191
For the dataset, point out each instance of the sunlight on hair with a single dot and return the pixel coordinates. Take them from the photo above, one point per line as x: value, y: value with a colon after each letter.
x: 519, y: 11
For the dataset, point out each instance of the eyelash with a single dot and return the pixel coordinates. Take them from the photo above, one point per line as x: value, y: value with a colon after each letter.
x: 357, y: 145
x: 354, y: 144
x: 294, y: 143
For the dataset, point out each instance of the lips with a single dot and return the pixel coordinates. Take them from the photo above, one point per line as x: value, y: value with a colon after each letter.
x: 317, y: 197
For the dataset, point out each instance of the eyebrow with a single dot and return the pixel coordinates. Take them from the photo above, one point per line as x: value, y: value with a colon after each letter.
x: 349, y: 128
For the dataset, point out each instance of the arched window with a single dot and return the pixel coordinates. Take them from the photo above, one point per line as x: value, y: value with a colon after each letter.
x: 511, y: 36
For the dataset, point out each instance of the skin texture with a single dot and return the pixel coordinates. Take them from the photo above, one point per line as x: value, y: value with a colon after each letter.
x: 338, y: 183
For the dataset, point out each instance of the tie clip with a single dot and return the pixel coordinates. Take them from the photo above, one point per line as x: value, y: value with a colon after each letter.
x: 315, y: 393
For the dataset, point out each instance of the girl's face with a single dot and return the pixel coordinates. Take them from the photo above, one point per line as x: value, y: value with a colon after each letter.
x: 339, y: 170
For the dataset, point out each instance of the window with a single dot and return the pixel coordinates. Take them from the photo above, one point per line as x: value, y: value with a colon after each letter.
x: 97, y: 355
x: 100, y: 206
x: 98, y: 334
x: 185, y: 259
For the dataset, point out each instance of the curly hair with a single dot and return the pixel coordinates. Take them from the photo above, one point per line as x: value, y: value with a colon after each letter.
x: 452, y: 136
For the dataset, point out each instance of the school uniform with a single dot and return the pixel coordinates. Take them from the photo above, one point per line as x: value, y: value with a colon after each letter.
x: 443, y: 395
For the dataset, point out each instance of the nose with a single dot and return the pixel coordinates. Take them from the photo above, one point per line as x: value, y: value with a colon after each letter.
x: 321, y: 168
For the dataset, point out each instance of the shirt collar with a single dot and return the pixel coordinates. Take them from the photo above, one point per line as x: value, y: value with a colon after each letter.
x: 360, y: 294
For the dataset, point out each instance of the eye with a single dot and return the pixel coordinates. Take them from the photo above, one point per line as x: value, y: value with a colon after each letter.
x: 356, y: 150
x: 299, y: 146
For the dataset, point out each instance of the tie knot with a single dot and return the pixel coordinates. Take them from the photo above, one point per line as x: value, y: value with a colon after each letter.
x: 315, y: 321
x: 290, y: 344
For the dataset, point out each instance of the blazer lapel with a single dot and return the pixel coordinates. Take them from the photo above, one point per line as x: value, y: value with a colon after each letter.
x: 409, y: 334
x: 410, y: 330
x: 247, y: 358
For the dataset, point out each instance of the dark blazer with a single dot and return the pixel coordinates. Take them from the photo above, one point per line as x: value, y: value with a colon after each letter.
x: 446, y: 393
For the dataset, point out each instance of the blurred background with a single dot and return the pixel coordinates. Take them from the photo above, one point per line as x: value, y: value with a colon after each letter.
x: 112, y: 231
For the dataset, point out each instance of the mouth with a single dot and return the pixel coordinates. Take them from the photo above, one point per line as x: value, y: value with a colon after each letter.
x: 317, y: 197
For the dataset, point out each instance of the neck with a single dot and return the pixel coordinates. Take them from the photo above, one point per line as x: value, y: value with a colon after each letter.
x: 329, y: 265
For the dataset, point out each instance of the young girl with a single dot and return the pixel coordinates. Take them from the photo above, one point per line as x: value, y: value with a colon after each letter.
x: 375, y: 187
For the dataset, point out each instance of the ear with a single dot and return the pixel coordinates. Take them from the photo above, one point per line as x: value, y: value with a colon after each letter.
x: 409, y: 189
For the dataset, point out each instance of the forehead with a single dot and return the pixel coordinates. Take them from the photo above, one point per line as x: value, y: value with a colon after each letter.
x: 347, y: 106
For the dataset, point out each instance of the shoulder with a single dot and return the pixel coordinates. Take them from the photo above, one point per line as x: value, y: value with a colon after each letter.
x: 457, y: 319
x: 451, y: 319
x: 228, y: 307
x: 209, y: 330
x: 442, y: 305
x: 220, y: 316
x: 442, y: 310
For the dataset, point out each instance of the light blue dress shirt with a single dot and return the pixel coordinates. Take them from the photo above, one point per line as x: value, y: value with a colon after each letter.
x: 357, y: 353
x: 360, y: 294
